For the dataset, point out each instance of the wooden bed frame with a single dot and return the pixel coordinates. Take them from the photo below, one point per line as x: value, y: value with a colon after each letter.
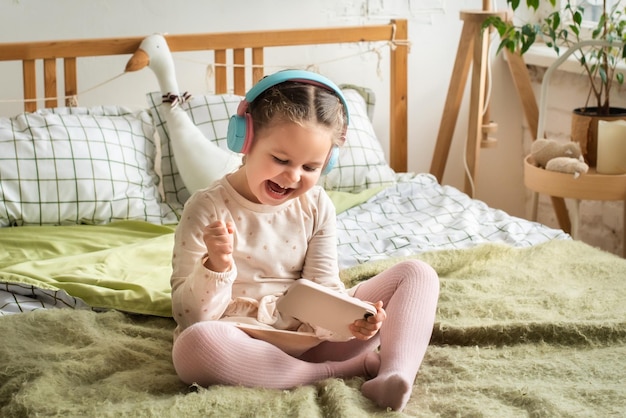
x: 223, y: 44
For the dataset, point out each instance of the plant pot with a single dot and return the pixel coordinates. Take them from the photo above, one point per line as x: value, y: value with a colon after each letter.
x: 585, y: 129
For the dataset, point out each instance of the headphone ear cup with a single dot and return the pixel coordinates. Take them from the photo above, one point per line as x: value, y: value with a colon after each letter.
x: 237, y: 134
x: 331, y: 161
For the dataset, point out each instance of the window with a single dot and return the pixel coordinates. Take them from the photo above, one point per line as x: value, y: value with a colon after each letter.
x: 593, y: 8
x: 541, y: 55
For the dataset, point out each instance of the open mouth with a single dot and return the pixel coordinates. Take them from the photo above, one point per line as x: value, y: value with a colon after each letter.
x: 276, y: 190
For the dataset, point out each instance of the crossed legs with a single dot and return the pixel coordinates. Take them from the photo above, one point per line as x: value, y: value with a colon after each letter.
x: 217, y: 353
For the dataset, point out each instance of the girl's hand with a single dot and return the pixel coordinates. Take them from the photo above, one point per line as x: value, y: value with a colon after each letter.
x: 218, y: 238
x: 364, y: 329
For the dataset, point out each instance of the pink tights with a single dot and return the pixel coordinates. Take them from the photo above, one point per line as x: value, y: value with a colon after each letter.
x: 213, y: 352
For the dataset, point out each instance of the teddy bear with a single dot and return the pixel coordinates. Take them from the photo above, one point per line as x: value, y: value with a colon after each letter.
x: 564, y: 157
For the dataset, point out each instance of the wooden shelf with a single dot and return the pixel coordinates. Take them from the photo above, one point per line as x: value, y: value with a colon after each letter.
x: 589, y: 186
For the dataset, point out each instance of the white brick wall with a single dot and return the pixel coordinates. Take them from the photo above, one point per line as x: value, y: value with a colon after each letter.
x: 601, y: 223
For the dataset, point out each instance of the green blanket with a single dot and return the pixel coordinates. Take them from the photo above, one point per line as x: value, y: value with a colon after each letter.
x: 534, y: 332
x: 123, y: 265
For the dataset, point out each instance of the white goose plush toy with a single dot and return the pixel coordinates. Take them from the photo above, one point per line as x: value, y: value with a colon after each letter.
x: 199, y: 161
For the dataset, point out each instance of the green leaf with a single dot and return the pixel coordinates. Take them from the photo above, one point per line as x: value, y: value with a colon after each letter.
x: 529, y: 30
x: 501, y: 46
x: 620, y: 78
x: 508, y: 44
x: 496, y: 23
x: 595, y: 33
x: 578, y: 17
x: 527, y: 43
x: 556, y: 21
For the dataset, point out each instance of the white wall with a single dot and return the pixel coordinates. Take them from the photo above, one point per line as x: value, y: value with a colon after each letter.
x: 434, y: 29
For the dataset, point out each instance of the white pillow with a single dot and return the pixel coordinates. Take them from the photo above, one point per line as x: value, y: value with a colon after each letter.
x: 361, y: 162
x: 79, y: 166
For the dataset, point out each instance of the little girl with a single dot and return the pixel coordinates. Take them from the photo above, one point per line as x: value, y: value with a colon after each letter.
x: 245, y: 239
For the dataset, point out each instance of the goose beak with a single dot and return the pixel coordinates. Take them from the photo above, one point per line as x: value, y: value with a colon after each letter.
x: 139, y: 60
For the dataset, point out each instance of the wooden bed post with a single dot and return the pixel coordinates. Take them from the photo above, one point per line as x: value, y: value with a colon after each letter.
x: 70, y: 80
x: 30, y: 84
x: 221, y: 84
x: 398, y: 126
x: 50, y: 81
x: 239, y: 71
x: 257, y: 64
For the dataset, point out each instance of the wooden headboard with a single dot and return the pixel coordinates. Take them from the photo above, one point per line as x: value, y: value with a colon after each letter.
x: 224, y: 44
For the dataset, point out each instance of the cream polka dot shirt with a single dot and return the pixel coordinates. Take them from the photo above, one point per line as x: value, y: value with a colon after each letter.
x: 273, y: 247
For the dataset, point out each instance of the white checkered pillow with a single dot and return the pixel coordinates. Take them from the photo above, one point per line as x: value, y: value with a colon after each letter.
x: 79, y: 166
x: 361, y: 163
x: 210, y: 113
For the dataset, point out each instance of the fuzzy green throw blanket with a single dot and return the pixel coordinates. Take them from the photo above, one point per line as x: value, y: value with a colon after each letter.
x: 537, y: 332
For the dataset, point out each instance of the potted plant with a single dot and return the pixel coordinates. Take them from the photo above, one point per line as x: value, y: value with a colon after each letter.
x: 563, y: 27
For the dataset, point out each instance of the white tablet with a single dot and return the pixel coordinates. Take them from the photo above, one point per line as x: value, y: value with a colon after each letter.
x: 318, y: 305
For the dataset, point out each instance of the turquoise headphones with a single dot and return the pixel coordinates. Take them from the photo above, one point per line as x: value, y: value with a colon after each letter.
x: 240, y: 131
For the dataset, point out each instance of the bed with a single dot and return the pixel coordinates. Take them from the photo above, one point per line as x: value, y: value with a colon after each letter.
x: 529, y: 323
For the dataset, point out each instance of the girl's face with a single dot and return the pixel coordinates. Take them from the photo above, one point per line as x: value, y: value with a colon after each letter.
x: 285, y: 161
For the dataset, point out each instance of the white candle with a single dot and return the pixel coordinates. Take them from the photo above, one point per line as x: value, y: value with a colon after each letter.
x: 611, y: 147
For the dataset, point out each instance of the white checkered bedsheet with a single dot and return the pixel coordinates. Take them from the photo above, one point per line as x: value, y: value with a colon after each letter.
x: 417, y: 215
